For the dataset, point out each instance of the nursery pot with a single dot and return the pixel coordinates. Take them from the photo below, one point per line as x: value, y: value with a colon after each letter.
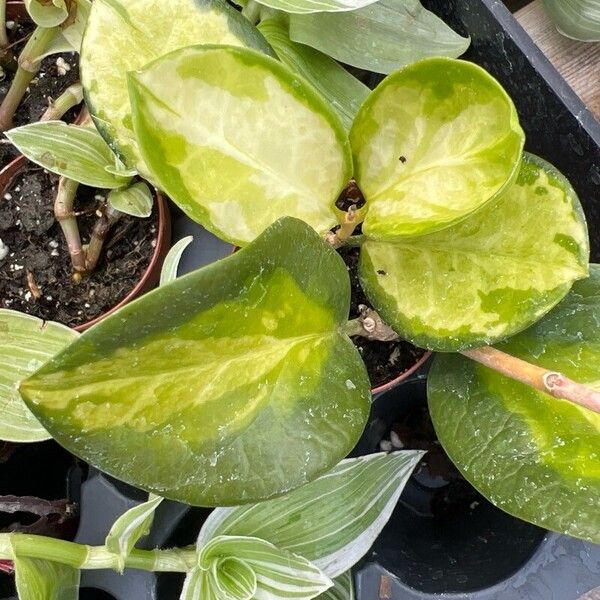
x: 151, y: 274
x: 16, y: 11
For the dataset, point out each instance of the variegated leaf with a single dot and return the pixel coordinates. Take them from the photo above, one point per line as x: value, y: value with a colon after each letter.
x: 432, y: 144
x: 577, y: 19
x: 343, y: 588
x: 332, y: 521
x: 26, y: 343
x: 236, y: 152
x: 135, y: 200
x: 168, y: 272
x: 38, y: 579
x: 77, y: 152
x: 192, y: 390
x: 137, y: 33
x: 530, y: 454
x: 491, y: 275
x: 47, y: 13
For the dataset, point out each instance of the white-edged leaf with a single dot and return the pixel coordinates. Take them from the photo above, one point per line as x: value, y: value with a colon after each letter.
x: 382, y: 37
x: 278, y: 574
x: 47, y: 13
x: 26, y: 343
x: 130, y: 527
x: 332, y: 521
x: 577, y: 19
x: 135, y: 200
x: 76, y: 152
x: 197, y: 586
x: 343, y: 588
x: 316, y: 6
x: 343, y: 91
x: 38, y: 579
x: 168, y: 272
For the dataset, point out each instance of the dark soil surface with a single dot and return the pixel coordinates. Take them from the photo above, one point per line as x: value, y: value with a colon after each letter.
x: 384, y: 360
x: 36, y: 246
x: 50, y: 82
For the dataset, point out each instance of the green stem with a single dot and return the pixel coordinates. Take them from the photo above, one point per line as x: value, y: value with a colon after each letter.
x: 80, y: 556
x: 71, y: 97
x: 355, y: 241
x: 3, y: 35
x: 101, y: 228
x: 64, y: 214
x: 252, y: 11
x: 29, y: 64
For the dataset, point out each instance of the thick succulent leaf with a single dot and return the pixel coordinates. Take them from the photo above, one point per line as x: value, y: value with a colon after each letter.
x: 26, y: 343
x: 137, y: 33
x: 381, y: 37
x: 343, y: 588
x: 491, y: 275
x: 168, y: 272
x: 76, y: 152
x: 532, y: 455
x: 135, y: 200
x: 577, y: 19
x: 47, y: 13
x: 342, y: 90
x: 38, y: 579
x: 332, y: 521
x: 130, y: 527
x: 193, y: 390
x: 432, y: 144
x: 237, y: 140
x: 278, y: 574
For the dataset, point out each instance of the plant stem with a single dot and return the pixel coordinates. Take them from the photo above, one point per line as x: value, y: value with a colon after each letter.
x: 71, y: 97
x: 63, y: 211
x: 550, y: 382
x: 109, y: 217
x: 371, y: 326
x: 80, y: 556
x: 342, y: 235
x: 29, y: 64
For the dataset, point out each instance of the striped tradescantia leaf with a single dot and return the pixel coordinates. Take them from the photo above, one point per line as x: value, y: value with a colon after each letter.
x: 26, y: 343
x: 381, y: 37
x: 316, y: 6
x: 135, y: 200
x: 76, y: 152
x: 48, y: 13
x: 168, y: 272
x: 577, y: 19
x: 332, y: 521
x: 342, y: 90
x: 238, y: 151
x: 243, y: 568
x: 432, y: 144
x: 195, y: 401
x: 491, y: 275
x: 38, y: 579
x: 138, y: 35
x: 130, y: 527
x: 343, y: 588
x: 531, y: 455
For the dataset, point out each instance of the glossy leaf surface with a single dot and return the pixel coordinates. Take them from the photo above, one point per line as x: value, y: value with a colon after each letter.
x: 342, y: 90
x: 135, y: 200
x: 532, y: 455
x: 381, y: 37
x: 432, y: 144
x: 38, y: 579
x: 332, y: 521
x: 491, y: 275
x: 137, y: 33
x: 26, y: 343
x: 168, y: 272
x: 237, y: 140
x: 76, y: 152
x: 577, y: 19
x: 193, y: 390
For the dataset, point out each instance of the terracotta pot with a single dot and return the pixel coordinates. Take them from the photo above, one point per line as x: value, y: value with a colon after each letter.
x: 150, y: 276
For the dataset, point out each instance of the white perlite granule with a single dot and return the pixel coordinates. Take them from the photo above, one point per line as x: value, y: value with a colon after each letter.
x: 3, y: 250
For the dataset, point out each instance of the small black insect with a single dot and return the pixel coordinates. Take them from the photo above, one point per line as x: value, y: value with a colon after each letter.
x: 402, y: 159
x: 381, y: 272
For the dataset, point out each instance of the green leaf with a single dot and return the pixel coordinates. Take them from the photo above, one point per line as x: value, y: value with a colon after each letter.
x: 76, y: 152
x: 138, y: 35
x: 237, y: 140
x: 135, y: 200
x: 342, y: 90
x: 577, y: 19
x: 26, y: 343
x: 70, y: 37
x: 38, y: 579
x: 243, y: 568
x: 381, y: 37
x: 316, y: 6
x: 432, y: 144
x: 332, y: 521
x: 491, y: 275
x: 168, y: 272
x: 130, y: 527
x: 532, y: 455
x: 343, y: 588
x: 47, y: 13
x: 193, y: 390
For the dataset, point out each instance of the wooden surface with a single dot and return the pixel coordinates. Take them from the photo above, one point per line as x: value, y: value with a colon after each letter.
x: 578, y: 62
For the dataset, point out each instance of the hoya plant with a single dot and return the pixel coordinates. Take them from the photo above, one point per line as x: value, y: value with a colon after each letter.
x: 300, y: 546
